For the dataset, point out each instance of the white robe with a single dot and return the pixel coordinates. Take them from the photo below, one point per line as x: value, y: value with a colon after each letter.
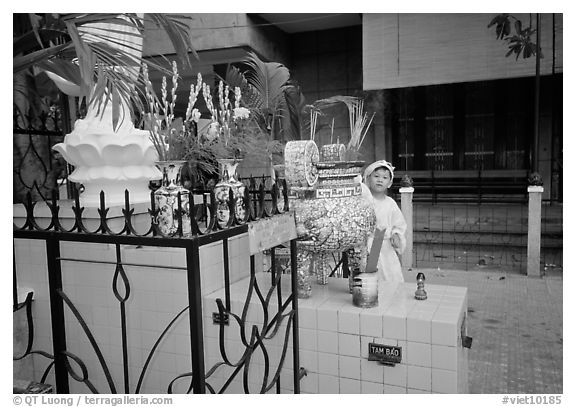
x: 388, y: 217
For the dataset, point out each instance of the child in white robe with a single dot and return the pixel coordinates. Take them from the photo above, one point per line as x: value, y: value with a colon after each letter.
x: 378, y: 178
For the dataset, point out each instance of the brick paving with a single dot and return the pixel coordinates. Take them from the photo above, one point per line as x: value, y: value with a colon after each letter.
x: 516, y: 325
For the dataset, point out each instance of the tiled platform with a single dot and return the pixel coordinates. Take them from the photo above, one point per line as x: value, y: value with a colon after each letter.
x: 334, y: 337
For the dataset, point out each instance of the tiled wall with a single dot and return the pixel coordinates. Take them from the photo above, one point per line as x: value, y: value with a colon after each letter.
x: 334, y: 337
x: 157, y: 295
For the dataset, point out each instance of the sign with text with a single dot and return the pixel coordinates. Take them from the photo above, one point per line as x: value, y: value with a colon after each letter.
x: 389, y: 355
x: 267, y: 233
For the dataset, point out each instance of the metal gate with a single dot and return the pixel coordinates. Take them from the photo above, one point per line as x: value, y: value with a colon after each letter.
x: 73, y: 321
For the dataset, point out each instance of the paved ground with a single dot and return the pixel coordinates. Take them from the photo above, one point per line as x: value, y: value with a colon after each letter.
x: 516, y: 325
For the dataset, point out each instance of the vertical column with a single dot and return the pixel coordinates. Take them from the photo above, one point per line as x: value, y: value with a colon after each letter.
x: 534, y: 224
x: 195, y: 314
x: 406, y: 206
x: 57, y: 315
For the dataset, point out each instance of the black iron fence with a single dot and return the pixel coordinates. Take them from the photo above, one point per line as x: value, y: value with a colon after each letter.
x: 36, y: 168
x: 66, y: 365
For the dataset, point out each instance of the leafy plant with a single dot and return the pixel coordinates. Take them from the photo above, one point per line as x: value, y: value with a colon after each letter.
x: 84, y: 49
x: 519, y: 43
x: 273, y: 98
x: 232, y: 132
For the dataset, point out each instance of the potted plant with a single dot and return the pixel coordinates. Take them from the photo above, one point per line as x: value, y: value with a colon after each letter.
x: 169, y: 135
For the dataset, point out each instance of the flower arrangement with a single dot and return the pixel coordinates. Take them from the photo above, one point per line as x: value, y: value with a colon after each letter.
x: 167, y: 133
x: 231, y: 133
x: 228, y: 133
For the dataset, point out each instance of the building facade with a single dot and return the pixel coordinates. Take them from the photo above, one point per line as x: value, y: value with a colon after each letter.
x: 445, y: 96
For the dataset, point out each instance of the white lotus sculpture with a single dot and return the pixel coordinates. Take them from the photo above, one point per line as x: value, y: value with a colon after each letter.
x: 108, y: 160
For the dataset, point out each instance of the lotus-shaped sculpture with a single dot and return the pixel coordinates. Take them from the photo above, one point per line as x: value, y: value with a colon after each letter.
x: 110, y: 160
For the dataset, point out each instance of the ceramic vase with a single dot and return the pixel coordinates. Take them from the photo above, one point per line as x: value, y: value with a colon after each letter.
x: 229, y: 182
x: 166, y: 200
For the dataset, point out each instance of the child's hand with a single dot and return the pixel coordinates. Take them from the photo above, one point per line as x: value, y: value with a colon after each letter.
x: 395, y: 241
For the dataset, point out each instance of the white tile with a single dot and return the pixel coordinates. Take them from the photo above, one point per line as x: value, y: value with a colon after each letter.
x: 211, y: 254
x: 419, y: 378
x: 327, y: 319
x: 417, y: 391
x: 100, y: 315
x: 255, y: 313
x: 372, y: 388
x: 309, y: 383
x: 389, y: 389
x: 307, y: 318
x: 348, y: 322
x: 350, y: 386
x: 463, y: 371
x: 444, y: 333
x: 396, y: 375
x: 166, y: 362
x: 418, y: 327
x: 348, y: 345
x: 430, y: 305
x: 327, y: 341
x: 328, y: 364
x: 309, y: 360
x: 394, y: 327
x: 419, y: 354
x: 328, y: 384
x: 371, y: 324
x: 287, y: 379
x: 308, y: 339
x: 371, y: 371
x: 349, y: 367
x: 210, y: 330
x: 444, y: 381
x: 444, y: 357
x: 364, y: 341
x: 178, y: 258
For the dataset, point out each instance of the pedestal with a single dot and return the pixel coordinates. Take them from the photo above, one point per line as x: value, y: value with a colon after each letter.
x: 406, y: 194
x: 534, y: 228
x: 335, y: 337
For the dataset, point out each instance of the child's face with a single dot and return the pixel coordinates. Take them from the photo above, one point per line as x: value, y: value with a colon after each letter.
x: 380, y: 180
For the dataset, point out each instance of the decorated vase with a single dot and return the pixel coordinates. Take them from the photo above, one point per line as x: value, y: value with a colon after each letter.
x: 333, y: 152
x: 229, y: 182
x: 168, y: 217
x: 331, y: 214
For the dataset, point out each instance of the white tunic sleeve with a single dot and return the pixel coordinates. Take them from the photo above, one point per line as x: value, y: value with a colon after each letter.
x: 398, y: 225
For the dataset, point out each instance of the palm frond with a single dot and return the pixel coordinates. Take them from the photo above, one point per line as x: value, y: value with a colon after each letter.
x: 326, y: 103
x: 268, y: 79
x: 90, y: 41
x: 24, y: 62
x: 178, y: 32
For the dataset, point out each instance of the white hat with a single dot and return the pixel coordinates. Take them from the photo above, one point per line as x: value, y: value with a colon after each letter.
x: 378, y: 164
